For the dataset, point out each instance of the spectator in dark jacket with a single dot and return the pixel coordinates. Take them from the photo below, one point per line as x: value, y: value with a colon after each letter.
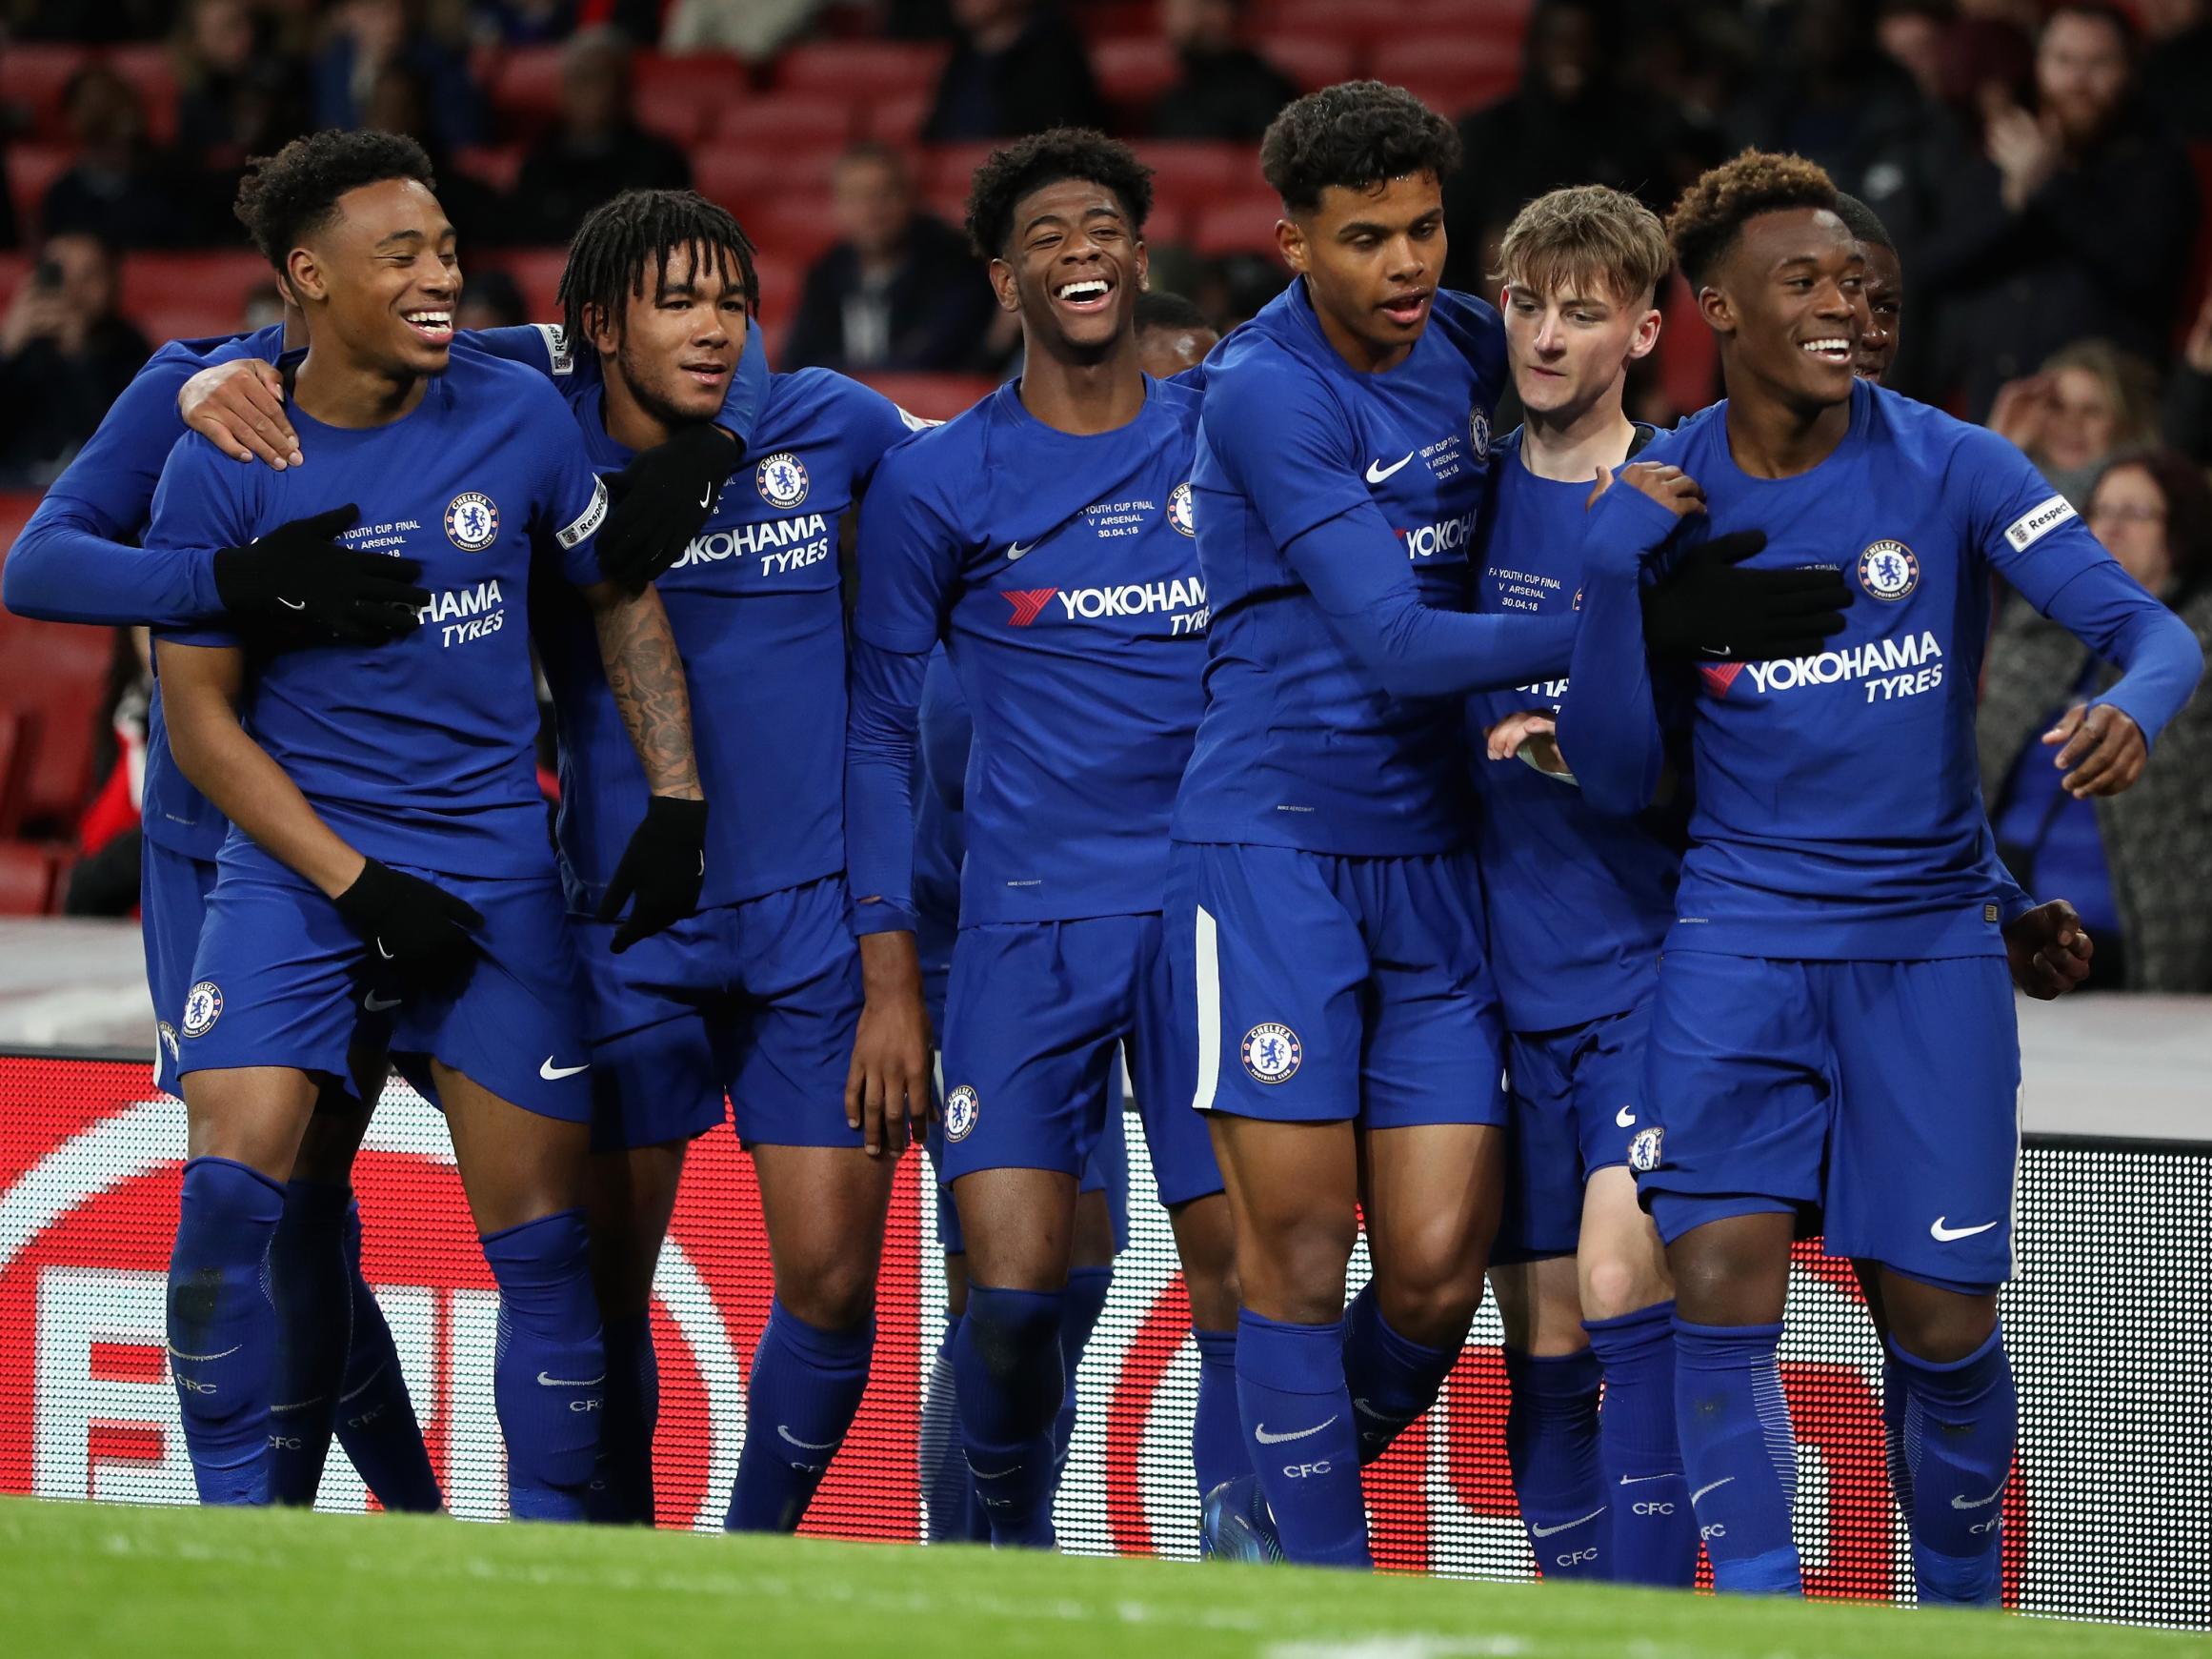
x: 239, y: 93
x: 1227, y: 92
x: 901, y: 290
x: 597, y: 152
x: 399, y: 101
x: 1019, y: 68
x: 65, y: 356
x: 2188, y: 415
x: 117, y: 189
x: 2136, y: 866
x: 2076, y: 221
x: 365, y: 36
x: 2176, y: 72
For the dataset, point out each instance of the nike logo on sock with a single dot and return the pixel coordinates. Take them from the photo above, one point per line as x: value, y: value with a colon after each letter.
x: 1639, y: 1479
x: 1367, y: 1410
x: 807, y: 1445
x: 302, y: 1404
x: 1535, y: 1532
x: 1012, y: 1469
x: 1259, y: 1431
x: 572, y: 1381
x: 1943, y: 1235
x: 291, y: 604
x: 1714, y: 1487
x: 353, y: 1393
x: 203, y: 1359
x: 1958, y: 1502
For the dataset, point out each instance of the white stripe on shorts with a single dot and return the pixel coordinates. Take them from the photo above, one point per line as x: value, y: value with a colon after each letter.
x: 1209, y: 989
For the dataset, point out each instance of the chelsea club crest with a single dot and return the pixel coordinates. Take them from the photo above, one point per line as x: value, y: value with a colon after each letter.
x: 1271, y: 1052
x: 472, y: 521
x: 203, y: 1007
x: 961, y: 1110
x: 1888, y: 570
x: 1478, y: 434
x: 1179, y: 509
x: 781, y: 479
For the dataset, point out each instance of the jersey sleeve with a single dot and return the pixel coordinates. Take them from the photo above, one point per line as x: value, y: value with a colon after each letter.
x: 908, y: 554
x: 73, y: 561
x: 1611, y: 730
x: 1285, y: 443
x: 572, y: 504
x: 199, y: 502
x: 874, y: 426
x: 2033, y: 537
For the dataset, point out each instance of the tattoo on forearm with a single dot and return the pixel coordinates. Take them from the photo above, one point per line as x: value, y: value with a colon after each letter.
x: 647, y: 677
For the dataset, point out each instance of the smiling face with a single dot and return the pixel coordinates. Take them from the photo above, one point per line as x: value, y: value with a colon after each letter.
x: 1371, y: 259
x: 1787, y: 303
x: 680, y: 340
x: 381, y: 278
x: 1569, y: 347
x: 1072, y: 268
x: 1878, y: 330
x: 2128, y: 515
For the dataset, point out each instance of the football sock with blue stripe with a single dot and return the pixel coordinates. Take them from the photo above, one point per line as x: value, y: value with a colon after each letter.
x: 309, y: 1283
x: 944, y: 1472
x: 1299, y: 1435
x: 1737, y: 1454
x: 548, y: 1378
x: 1086, y: 1300
x: 222, y: 1325
x: 1551, y: 1445
x: 1008, y: 1367
x: 1962, y: 1425
x: 377, y: 1421
x: 1218, y: 1431
x: 622, y: 1484
x: 801, y: 1399
x: 1654, y: 1537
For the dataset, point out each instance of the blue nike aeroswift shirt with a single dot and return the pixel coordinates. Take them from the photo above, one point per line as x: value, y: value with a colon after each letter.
x: 420, y: 751
x: 1839, y: 809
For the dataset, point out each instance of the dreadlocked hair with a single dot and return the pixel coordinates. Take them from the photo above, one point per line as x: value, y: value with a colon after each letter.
x: 1047, y: 158
x: 624, y: 242
x: 1712, y: 213
x: 286, y: 198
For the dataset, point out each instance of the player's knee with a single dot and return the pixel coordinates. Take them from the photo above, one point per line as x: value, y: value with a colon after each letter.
x: 834, y: 1295
x: 1436, y: 1309
x: 1941, y: 1327
x: 1613, y: 1286
x: 1294, y: 1270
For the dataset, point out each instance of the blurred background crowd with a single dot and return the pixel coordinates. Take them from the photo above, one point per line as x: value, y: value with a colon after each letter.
x: 2046, y: 172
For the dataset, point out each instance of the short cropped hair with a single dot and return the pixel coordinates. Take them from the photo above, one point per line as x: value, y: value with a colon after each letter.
x: 1712, y: 213
x: 1862, y: 222
x: 287, y: 197
x: 1586, y: 236
x: 1048, y: 158
x: 1158, y: 309
x: 1357, y: 134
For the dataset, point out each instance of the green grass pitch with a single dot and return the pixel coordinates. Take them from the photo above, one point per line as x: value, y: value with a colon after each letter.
x: 91, y: 1580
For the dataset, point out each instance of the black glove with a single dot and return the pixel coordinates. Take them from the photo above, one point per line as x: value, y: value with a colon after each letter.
x: 661, y: 501
x: 297, y: 583
x: 417, y: 931
x: 1707, y: 609
x: 663, y: 866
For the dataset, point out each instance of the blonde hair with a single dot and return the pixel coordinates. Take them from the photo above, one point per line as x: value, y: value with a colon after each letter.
x: 2131, y: 387
x: 1585, y: 235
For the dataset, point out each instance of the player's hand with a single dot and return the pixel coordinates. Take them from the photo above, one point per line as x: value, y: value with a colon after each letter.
x: 418, y: 932
x: 296, y: 585
x: 661, y: 501
x: 1670, y: 487
x: 2103, y: 753
x: 2048, y: 950
x: 662, y: 868
x: 1533, y: 735
x: 889, y: 1083
x: 1707, y: 609
x: 240, y: 406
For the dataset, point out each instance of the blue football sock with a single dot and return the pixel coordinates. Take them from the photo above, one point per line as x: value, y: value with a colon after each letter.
x: 376, y: 1422
x: 1655, y: 1537
x: 1392, y: 1378
x: 1008, y: 1369
x: 308, y: 1283
x: 548, y: 1378
x: 1298, y: 1432
x: 1086, y: 1300
x: 1737, y: 1454
x: 1962, y: 1423
x: 1218, y: 1431
x: 802, y: 1396
x: 1893, y: 1421
x: 222, y: 1325
x: 944, y: 1472
x: 1551, y: 1445
x: 622, y: 1492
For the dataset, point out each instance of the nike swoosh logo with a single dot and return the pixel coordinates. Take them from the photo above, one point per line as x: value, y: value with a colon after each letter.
x: 1639, y: 1479
x: 807, y: 1445
x: 707, y: 501
x: 1714, y: 1487
x: 291, y: 604
x: 376, y: 1004
x: 1958, y: 1502
x: 302, y: 1404
x: 1535, y: 1532
x: 570, y: 1381
x: 1626, y: 1118
x: 384, y: 953
x: 1943, y: 1235
x: 995, y: 1475
x: 552, y: 1072
x: 1014, y: 549
x: 1377, y: 471
x: 1259, y: 1431
x: 1367, y: 1410
x: 203, y: 1359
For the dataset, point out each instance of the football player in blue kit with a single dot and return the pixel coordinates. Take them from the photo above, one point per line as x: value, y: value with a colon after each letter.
x: 764, y: 996
x: 386, y: 870
x: 1081, y: 671
x: 1834, y: 1025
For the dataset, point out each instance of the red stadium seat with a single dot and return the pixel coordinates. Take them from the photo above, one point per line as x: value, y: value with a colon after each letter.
x: 897, y: 118
x: 933, y: 396
x: 1242, y: 225
x: 32, y: 76
x: 1105, y: 20
x: 948, y: 169
x: 860, y: 72
x: 1451, y: 74
x: 32, y: 170
x: 798, y: 227
x: 216, y: 283
x: 1689, y: 353
x: 746, y: 178
x: 198, y: 320
x: 497, y: 164
x: 54, y: 676
x: 14, y: 768
x: 538, y: 274
x: 151, y: 69
x: 1135, y: 71
x: 525, y: 84
x: 783, y: 125
x: 27, y: 877
x: 1312, y: 60
x: 682, y: 97
x: 781, y: 280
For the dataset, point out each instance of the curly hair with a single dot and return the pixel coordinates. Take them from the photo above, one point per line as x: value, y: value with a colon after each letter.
x: 1357, y: 134
x: 1047, y: 158
x: 287, y: 196
x: 1712, y: 213
x: 623, y: 242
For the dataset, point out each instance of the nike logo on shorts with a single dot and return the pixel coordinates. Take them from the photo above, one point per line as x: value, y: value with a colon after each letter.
x: 376, y: 1004
x: 1626, y: 1118
x: 1943, y: 1235
x: 552, y: 1072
